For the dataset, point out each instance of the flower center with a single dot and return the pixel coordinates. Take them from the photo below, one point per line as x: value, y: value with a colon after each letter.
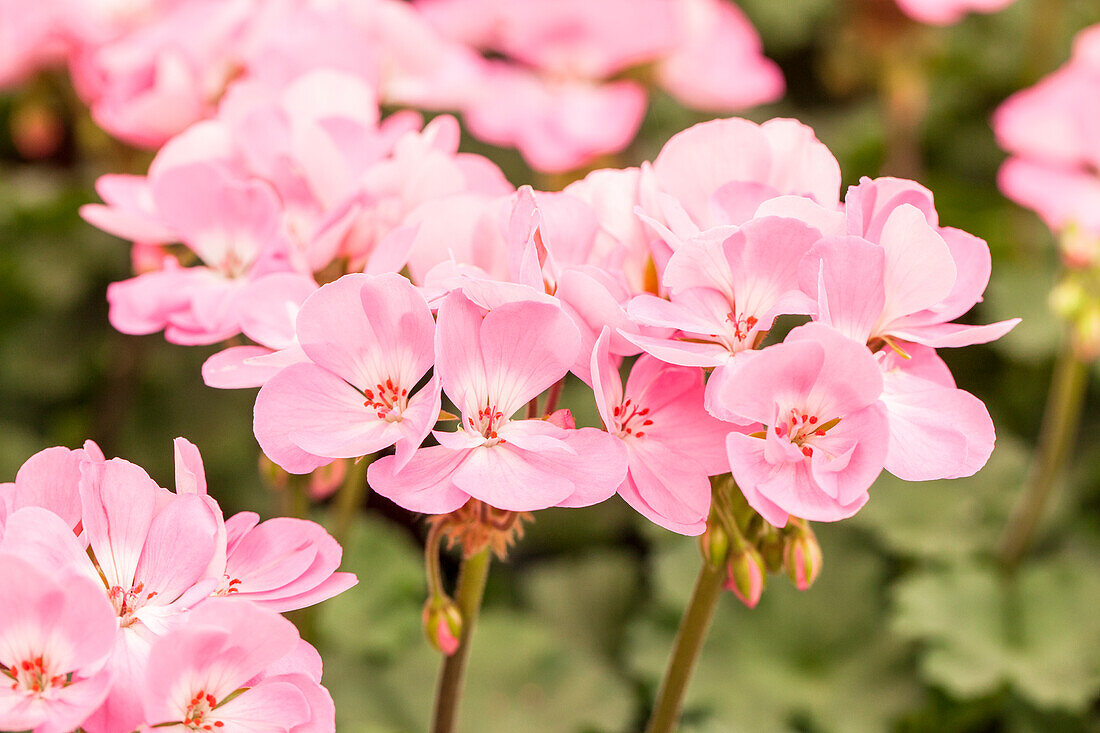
x: 742, y: 325
x: 202, y: 704
x: 387, y: 399
x: 35, y: 676
x: 127, y: 602
x: 228, y: 586
x: 489, y: 421
x: 629, y: 419
x: 802, y: 428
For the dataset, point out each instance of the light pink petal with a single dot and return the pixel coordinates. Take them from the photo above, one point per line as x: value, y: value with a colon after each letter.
x: 597, y: 470
x: 948, y: 335
x: 935, y: 431
x: 847, y: 382
x: 129, y: 212
x: 118, y: 500
x: 321, y: 414
x: 273, y: 706
x: 673, y: 484
x: 50, y: 479
x: 783, y: 374
x: 606, y: 383
x: 182, y: 540
x: 230, y: 368
x: 513, y: 479
x: 330, y: 587
x: 846, y: 275
x: 190, y: 474
x: 272, y: 421
x: 750, y: 470
x: 270, y: 306
x: 683, y: 353
x: 629, y: 492
x: 42, y: 537
x: 424, y: 484
x: 368, y: 327
x: 920, y: 271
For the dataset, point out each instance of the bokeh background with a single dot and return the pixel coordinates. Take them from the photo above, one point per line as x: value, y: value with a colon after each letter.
x: 911, y: 626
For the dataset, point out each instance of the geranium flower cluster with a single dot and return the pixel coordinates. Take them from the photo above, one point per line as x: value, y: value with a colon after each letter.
x: 148, y: 69
x: 128, y: 606
x: 1050, y: 130
x: 686, y: 263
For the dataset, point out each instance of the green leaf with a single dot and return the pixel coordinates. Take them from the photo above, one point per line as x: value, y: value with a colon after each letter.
x: 1037, y: 632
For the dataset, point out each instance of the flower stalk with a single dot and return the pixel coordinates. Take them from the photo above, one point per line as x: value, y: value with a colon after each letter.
x: 468, y: 594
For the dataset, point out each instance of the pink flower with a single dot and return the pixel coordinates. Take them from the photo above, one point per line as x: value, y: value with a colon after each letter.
x: 726, y: 287
x: 56, y: 632
x: 234, y: 226
x: 557, y: 124
x: 905, y: 286
x: 492, y: 364
x: 226, y: 647
x: 282, y: 564
x: 672, y: 444
x: 369, y: 341
x: 947, y: 12
x: 49, y: 479
x: 721, y: 171
x: 716, y: 37
x: 822, y: 428
x: 1050, y: 131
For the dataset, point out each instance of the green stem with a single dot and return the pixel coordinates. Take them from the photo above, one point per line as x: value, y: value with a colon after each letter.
x: 431, y: 560
x: 1060, y: 419
x: 468, y: 593
x: 349, y: 498
x: 689, y: 642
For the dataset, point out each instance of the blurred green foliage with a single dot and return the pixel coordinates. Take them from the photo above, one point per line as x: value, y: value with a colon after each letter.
x: 910, y: 628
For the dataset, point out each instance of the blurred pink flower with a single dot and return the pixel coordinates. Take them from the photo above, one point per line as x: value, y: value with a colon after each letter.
x: 947, y: 12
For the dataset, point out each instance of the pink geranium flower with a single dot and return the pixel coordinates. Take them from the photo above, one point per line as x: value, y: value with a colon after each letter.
x: 56, y: 632
x: 821, y: 428
x: 369, y: 341
x: 209, y: 674
x: 491, y: 364
x: 726, y: 287
x: 947, y: 12
x: 672, y: 444
x: 282, y: 564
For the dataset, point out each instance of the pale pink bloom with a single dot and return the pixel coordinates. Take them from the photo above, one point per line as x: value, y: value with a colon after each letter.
x: 56, y: 632
x: 225, y: 647
x: 283, y: 564
x: 557, y: 124
x: 904, y: 286
x: 30, y: 38
x: 491, y: 365
x: 369, y: 340
x: 1051, y: 132
x: 726, y: 287
x: 948, y: 12
x: 128, y: 210
x: 152, y: 83
x: 936, y: 430
x: 268, y: 309
x: 716, y: 38
x: 721, y: 171
x: 233, y: 226
x: 872, y: 213
x: 672, y: 444
x: 822, y: 429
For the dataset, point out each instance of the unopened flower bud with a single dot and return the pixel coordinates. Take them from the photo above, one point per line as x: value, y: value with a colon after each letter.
x: 803, y: 558
x: 714, y: 543
x: 563, y: 418
x: 747, y: 576
x: 442, y: 624
x: 772, y: 546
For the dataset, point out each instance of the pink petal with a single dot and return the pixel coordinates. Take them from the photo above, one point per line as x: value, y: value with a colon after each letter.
x: 920, y: 271
x: 50, y: 479
x: 424, y: 484
x: 846, y: 275
x: 230, y: 368
x: 513, y: 479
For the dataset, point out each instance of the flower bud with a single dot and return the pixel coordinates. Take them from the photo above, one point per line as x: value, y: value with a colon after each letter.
x: 803, y: 558
x: 442, y: 624
x: 772, y: 546
x: 714, y: 543
x: 747, y: 576
x: 563, y: 418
